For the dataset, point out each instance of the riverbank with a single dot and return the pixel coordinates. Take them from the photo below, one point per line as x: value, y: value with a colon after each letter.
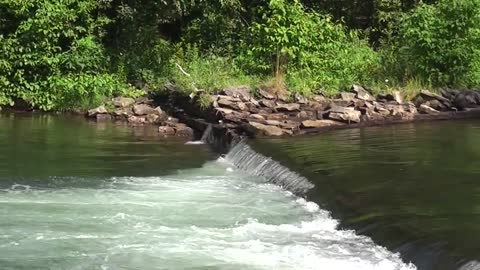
x: 240, y: 111
x: 244, y: 112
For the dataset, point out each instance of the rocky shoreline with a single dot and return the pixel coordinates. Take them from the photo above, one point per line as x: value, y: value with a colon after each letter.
x: 237, y: 111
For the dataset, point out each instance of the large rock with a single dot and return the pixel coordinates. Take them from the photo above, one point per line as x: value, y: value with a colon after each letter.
x: 290, y: 107
x: 300, y: 99
x: 427, y: 95
x: 98, y: 110
x: 362, y: 94
x: 347, y: 96
x: 265, y: 94
x: 320, y: 123
x: 241, y: 92
x: 183, y: 130
x: 267, y: 130
x: 166, y: 131
x: 267, y: 103
x: 136, y: 120
x: 123, y: 102
x: 346, y: 114
x: 143, y: 109
x: 427, y: 109
x: 467, y: 99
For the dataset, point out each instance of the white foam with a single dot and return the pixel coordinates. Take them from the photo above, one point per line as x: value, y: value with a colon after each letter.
x: 200, y: 218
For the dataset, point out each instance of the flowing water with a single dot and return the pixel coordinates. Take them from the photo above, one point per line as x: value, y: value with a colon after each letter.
x: 78, y: 195
x: 413, y: 188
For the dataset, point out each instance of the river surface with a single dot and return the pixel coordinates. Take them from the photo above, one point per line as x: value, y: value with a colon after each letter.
x: 413, y: 188
x: 81, y: 195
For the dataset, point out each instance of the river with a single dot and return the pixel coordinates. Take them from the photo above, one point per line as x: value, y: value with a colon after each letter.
x: 82, y: 195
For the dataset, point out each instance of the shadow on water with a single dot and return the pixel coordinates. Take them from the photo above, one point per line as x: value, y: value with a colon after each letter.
x: 413, y: 188
x: 41, y: 146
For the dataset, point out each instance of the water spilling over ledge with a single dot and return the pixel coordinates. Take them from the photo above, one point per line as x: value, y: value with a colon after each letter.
x: 246, y: 159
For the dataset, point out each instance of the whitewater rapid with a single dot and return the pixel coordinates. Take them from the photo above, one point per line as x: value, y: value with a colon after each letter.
x: 214, y: 217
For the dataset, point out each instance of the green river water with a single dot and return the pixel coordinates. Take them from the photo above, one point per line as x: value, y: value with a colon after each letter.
x: 81, y: 195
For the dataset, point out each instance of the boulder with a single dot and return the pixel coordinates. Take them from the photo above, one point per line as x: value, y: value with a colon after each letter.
x: 319, y: 98
x: 267, y: 103
x: 98, y: 110
x: 273, y: 122
x: 320, y: 123
x: 123, y: 112
x: 347, y: 96
x: 319, y: 106
x: 241, y: 92
x: 300, y: 99
x: 427, y: 95
x: 467, y: 99
x: 166, y: 130
x: 290, y: 125
x: 257, y: 117
x: 346, y: 114
x: 142, y: 109
x: 267, y: 130
x: 290, y: 107
x: 276, y: 116
x: 437, y: 105
x: 266, y: 94
x: 122, y: 102
x: 153, y: 119
x: 427, y: 109
x: 361, y: 93
x: 183, y: 130
x: 449, y: 94
x: 136, y: 120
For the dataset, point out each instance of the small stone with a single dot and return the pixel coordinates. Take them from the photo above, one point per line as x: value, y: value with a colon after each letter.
x: 123, y: 102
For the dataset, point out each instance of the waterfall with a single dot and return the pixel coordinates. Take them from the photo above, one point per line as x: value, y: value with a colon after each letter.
x: 246, y: 159
x: 207, y: 136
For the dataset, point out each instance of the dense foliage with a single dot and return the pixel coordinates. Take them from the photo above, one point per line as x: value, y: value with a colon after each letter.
x: 66, y: 54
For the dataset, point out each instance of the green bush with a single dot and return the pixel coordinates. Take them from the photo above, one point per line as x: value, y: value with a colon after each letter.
x: 51, y: 55
x: 439, y: 43
x: 313, y: 52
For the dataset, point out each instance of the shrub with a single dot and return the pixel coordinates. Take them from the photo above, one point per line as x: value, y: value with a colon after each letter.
x: 439, y: 43
x: 52, y: 56
x: 313, y: 51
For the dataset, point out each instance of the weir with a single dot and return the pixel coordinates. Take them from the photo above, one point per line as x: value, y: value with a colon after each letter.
x: 243, y: 157
x: 251, y: 162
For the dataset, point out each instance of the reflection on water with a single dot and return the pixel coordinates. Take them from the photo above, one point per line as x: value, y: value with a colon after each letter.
x: 48, y: 145
x: 414, y: 188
